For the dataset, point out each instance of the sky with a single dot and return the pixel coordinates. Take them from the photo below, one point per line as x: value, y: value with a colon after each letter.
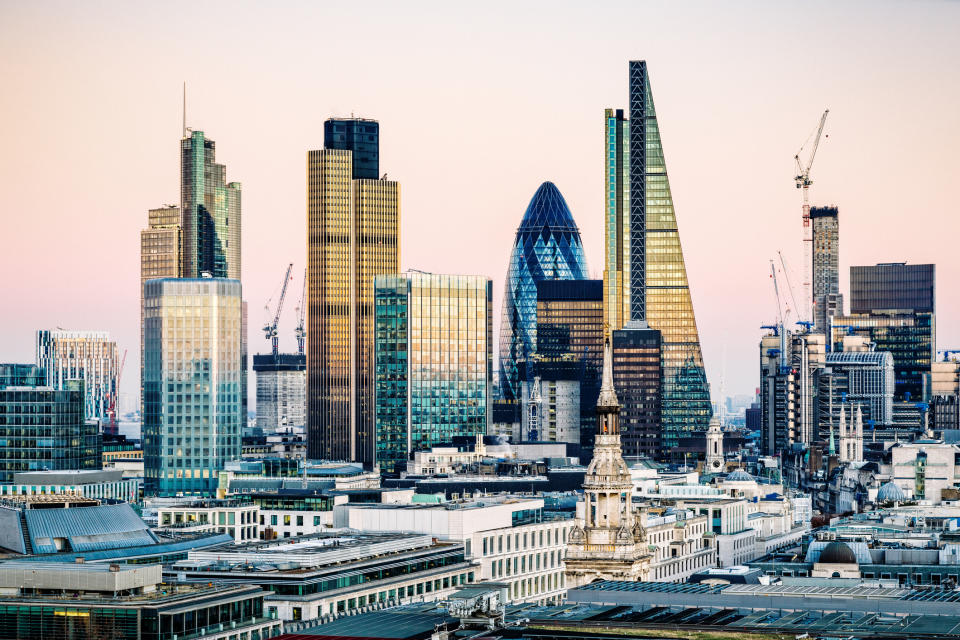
x: 478, y: 104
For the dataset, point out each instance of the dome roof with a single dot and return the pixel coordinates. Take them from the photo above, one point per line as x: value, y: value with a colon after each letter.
x: 838, y: 553
x: 740, y: 475
x: 890, y: 492
x: 547, y: 208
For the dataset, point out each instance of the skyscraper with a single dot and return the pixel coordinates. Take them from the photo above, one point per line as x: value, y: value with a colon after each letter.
x: 433, y: 362
x: 353, y: 232
x: 547, y: 247
x: 281, y: 390
x: 192, y: 383
x: 210, y: 210
x: 159, y: 256
x: 90, y: 356
x: 637, y: 374
x: 645, y: 278
x: 893, y: 286
x: 827, y: 299
x: 43, y: 428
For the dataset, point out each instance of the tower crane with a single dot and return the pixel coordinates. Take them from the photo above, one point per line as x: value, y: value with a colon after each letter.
x: 301, y: 308
x: 112, y: 407
x: 781, y: 316
x: 803, y: 181
x: 270, y: 329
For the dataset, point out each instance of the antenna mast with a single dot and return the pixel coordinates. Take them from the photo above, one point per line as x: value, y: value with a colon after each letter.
x: 184, y: 108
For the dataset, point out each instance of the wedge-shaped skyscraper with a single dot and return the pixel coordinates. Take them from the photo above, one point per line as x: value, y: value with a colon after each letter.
x: 645, y: 279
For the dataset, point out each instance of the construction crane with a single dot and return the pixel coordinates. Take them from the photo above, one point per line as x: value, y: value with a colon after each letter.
x: 803, y: 181
x: 270, y: 329
x: 301, y: 309
x: 781, y: 317
x: 112, y: 408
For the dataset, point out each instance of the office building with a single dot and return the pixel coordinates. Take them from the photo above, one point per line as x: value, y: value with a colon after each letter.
x: 789, y: 364
x: 547, y: 247
x: 551, y: 402
x: 210, y: 212
x: 570, y: 328
x: 856, y: 378
x: 645, y: 278
x: 124, y: 602
x: 893, y: 286
x: 513, y: 539
x: 910, y: 337
x: 93, y: 484
x: 90, y: 356
x: 192, y: 377
x: 335, y: 573
x: 281, y: 391
x: 353, y: 233
x: 433, y: 368
x: 637, y: 378
x: 827, y: 299
x: 44, y: 428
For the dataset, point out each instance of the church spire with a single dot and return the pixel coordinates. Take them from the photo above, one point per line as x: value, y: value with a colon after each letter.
x: 608, y: 396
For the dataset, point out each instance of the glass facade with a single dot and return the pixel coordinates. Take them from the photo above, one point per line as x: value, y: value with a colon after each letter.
x: 570, y: 328
x: 547, y: 247
x: 192, y: 414
x: 827, y: 299
x: 281, y: 390
x: 909, y: 337
x: 645, y: 276
x: 210, y: 209
x: 359, y: 136
x: 90, y: 356
x: 352, y: 237
x: 893, y: 286
x: 636, y: 377
x: 433, y: 362
x: 41, y: 428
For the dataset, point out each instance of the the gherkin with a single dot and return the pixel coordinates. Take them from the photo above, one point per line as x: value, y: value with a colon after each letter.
x: 547, y: 247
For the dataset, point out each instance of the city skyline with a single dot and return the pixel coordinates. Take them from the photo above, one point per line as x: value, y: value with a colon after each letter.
x: 730, y: 163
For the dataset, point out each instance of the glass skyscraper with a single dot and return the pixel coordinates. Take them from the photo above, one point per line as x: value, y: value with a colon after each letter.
x: 433, y: 362
x: 90, y: 356
x: 42, y: 428
x: 192, y: 414
x: 210, y: 212
x: 353, y: 229
x: 361, y: 137
x: 547, y: 247
x: 645, y: 278
x: 893, y: 286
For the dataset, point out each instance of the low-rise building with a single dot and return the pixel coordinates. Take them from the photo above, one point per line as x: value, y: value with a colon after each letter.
x: 108, y: 484
x: 335, y: 573
x: 124, y: 602
x: 514, y: 540
x: 238, y: 518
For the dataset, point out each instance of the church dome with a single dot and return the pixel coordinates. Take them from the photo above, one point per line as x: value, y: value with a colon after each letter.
x: 838, y: 553
x: 890, y: 492
x: 739, y: 475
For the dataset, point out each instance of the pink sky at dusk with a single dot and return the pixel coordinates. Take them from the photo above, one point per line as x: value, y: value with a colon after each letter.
x: 478, y: 104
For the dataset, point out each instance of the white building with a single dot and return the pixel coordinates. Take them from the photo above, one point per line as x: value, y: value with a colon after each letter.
x: 90, y: 356
x: 924, y: 468
x: 281, y: 390
x: 239, y: 518
x: 510, y: 537
x: 96, y: 485
x: 681, y: 544
x: 736, y: 540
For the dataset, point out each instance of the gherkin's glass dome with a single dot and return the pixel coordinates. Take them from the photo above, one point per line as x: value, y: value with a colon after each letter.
x: 547, y: 247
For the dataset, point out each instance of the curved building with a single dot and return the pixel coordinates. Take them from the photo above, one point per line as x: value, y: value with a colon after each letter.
x: 547, y: 247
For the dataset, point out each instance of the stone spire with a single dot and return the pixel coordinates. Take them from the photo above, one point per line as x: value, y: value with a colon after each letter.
x: 608, y: 396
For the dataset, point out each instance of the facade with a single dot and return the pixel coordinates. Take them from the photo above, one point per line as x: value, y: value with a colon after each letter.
x: 281, y: 390
x: 827, y: 299
x: 893, y: 286
x: 433, y: 351
x: 192, y: 413
x: 359, y: 136
x: 552, y: 402
x: 42, y: 428
x: 909, y: 336
x: 925, y: 468
x: 240, y: 519
x: 32, y: 605
x: 608, y: 542
x: 353, y: 233
x: 789, y: 364
x: 644, y: 273
x: 90, y: 356
x: 547, y: 247
x: 512, y: 539
x: 570, y: 328
x: 210, y: 212
x: 637, y: 376
x: 92, y: 484
x: 714, y: 462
